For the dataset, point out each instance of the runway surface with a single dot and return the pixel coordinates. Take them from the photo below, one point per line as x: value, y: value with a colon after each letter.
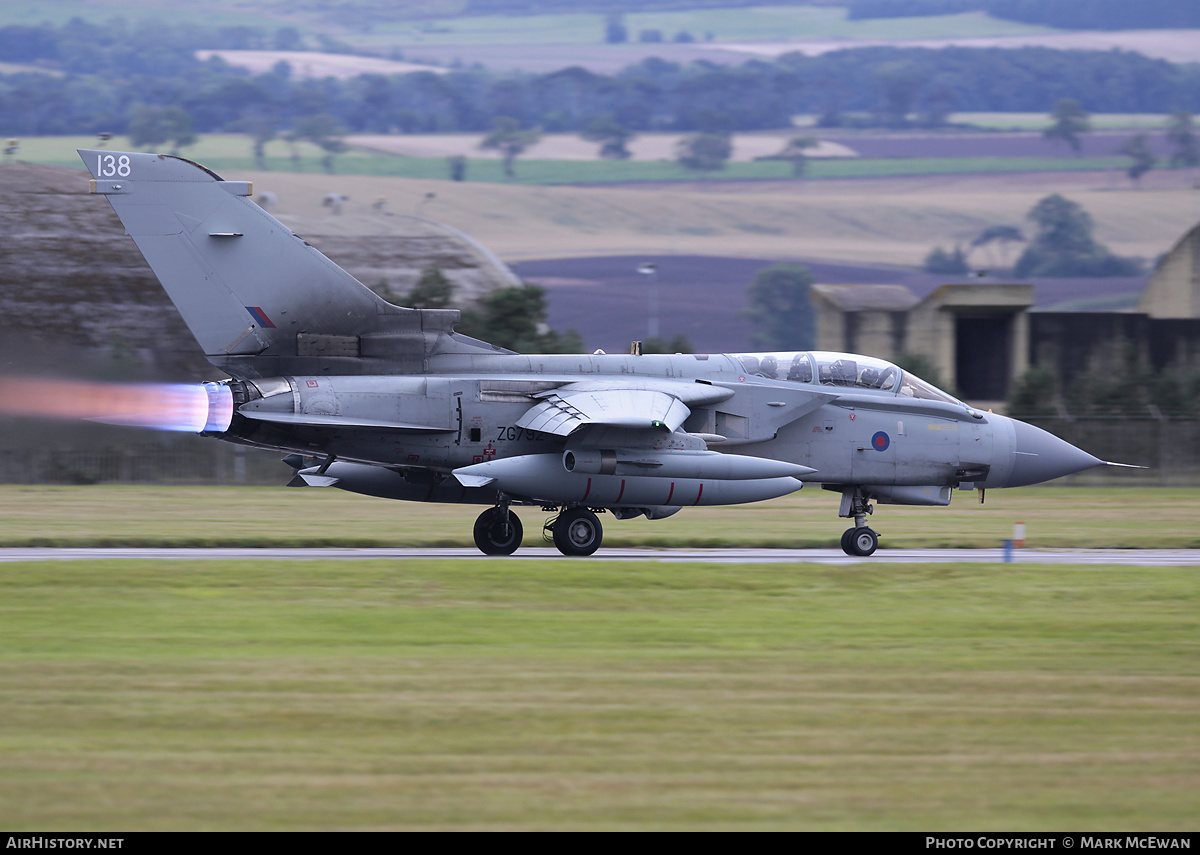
x: 1136, y: 557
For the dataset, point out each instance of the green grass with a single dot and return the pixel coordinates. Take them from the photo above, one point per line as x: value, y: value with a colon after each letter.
x: 590, y: 695
x: 262, y: 516
x: 230, y: 154
x: 763, y: 23
x: 742, y: 24
x: 216, y: 13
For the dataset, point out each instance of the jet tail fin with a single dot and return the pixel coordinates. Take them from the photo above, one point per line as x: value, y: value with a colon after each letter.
x: 246, y: 285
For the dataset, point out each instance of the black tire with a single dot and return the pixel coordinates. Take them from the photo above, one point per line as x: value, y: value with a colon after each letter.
x: 498, y: 532
x: 577, y: 531
x: 846, y: 547
x: 863, y: 541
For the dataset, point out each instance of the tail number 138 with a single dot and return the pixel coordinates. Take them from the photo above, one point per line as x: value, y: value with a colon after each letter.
x: 109, y: 166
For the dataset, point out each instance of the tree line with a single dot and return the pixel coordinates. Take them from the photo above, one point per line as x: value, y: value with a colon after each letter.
x: 1061, y: 245
x: 1065, y: 14
x: 93, y: 78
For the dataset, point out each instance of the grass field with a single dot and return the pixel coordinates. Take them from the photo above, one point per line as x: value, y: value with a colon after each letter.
x: 752, y: 24
x: 230, y: 153
x: 880, y: 220
x: 1038, y: 121
x: 268, y: 14
x: 765, y: 22
x: 593, y: 695
x: 264, y: 516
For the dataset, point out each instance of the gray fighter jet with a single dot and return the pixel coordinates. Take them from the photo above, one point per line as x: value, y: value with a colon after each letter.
x: 391, y: 402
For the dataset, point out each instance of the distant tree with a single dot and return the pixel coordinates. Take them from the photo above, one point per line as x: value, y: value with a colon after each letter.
x: 780, y: 307
x: 614, y: 29
x: 153, y: 126
x: 458, y: 167
x: 704, y: 151
x: 515, y: 318
x: 935, y: 106
x: 288, y: 38
x: 947, y: 263
x: 324, y: 131
x: 508, y: 138
x: 899, y: 83
x: 925, y: 368
x: 1176, y: 392
x: 1120, y: 388
x: 291, y: 137
x: 1002, y: 235
x: 432, y: 291
x: 612, y: 136
x: 1137, y: 148
x: 795, y: 153
x: 1034, y: 394
x: 1181, y: 134
x: 1063, y: 226
x: 831, y: 92
x: 650, y: 36
x: 683, y: 37
x: 679, y: 343
x: 1069, y: 121
x: 1063, y: 245
x: 261, y: 131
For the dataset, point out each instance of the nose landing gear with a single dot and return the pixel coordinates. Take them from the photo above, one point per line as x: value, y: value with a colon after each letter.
x: 859, y: 540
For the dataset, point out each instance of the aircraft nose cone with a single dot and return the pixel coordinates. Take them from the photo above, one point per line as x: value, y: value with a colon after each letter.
x: 1041, y: 456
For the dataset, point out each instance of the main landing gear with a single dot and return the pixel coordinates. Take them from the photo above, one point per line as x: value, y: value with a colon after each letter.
x: 498, y: 531
x: 575, y: 531
x: 858, y: 540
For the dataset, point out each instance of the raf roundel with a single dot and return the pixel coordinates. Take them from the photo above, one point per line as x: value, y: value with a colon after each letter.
x: 880, y: 441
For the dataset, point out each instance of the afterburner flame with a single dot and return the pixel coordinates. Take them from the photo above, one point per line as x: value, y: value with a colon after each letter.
x: 192, y: 408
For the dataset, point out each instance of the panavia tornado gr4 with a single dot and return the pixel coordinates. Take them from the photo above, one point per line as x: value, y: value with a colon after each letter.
x: 391, y: 402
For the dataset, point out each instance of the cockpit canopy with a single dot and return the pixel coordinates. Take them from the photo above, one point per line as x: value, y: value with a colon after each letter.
x: 840, y: 369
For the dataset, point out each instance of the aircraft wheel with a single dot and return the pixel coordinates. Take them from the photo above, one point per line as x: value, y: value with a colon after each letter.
x: 498, y: 532
x: 862, y: 541
x: 577, y: 531
x: 846, y: 547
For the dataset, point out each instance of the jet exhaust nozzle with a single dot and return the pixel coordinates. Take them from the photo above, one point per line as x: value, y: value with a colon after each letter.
x: 205, y: 408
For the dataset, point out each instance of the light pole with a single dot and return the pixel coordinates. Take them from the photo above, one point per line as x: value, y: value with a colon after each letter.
x: 651, y: 270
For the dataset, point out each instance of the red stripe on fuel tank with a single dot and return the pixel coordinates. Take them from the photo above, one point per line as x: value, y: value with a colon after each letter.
x: 699, y: 493
x: 588, y: 491
x: 670, y: 494
x: 622, y: 493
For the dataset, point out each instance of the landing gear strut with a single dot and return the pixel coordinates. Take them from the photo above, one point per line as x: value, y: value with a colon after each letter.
x: 577, y: 531
x: 858, y: 540
x: 498, y: 531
